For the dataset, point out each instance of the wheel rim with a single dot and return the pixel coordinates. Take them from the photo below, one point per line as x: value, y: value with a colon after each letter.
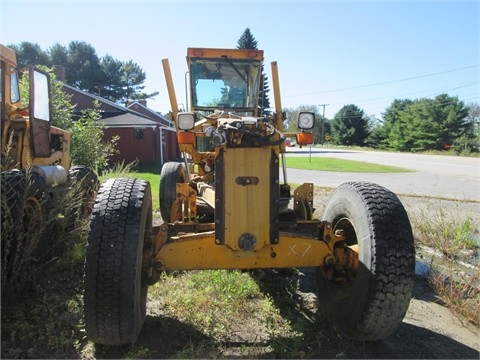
x: 344, y: 290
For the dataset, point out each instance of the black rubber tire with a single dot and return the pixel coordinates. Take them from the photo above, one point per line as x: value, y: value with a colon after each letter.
x: 89, y: 185
x: 115, y: 286
x: 23, y: 205
x: 172, y: 173
x: 373, y: 302
x: 85, y: 175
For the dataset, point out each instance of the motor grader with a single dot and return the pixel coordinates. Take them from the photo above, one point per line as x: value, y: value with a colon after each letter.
x: 36, y: 173
x: 228, y: 205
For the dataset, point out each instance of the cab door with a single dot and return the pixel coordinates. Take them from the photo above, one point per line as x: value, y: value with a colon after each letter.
x: 40, y: 112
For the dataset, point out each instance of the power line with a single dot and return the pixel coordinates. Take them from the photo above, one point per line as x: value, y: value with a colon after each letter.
x: 386, y: 82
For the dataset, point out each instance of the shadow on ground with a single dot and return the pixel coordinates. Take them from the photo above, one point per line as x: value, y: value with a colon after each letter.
x: 164, y: 337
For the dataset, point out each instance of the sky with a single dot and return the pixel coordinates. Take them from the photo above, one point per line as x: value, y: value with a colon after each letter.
x: 331, y: 53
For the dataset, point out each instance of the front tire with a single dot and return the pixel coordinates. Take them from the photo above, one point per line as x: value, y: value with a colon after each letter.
x: 172, y: 173
x: 373, y: 301
x: 116, y: 285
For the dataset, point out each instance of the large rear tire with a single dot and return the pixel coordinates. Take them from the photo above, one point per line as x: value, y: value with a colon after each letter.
x: 373, y: 301
x: 24, y: 205
x: 172, y: 173
x: 115, y: 292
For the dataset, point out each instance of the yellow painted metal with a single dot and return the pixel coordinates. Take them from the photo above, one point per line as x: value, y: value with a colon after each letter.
x: 184, y: 208
x: 8, y: 55
x: 247, y: 207
x: 303, y: 201
x: 171, y: 90
x: 276, y: 94
x: 231, y: 53
x: 199, y: 251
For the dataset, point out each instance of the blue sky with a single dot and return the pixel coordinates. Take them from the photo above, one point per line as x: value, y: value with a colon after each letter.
x: 328, y: 52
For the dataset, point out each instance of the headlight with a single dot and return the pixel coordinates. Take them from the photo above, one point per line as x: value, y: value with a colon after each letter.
x: 306, y: 120
x: 186, y: 121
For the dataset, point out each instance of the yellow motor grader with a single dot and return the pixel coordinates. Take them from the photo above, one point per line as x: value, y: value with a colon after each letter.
x: 228, y: 205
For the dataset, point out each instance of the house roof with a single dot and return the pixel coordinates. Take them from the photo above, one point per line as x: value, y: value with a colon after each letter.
x: 142, y: 108
x: 113, y: 115
x: 128, y: 120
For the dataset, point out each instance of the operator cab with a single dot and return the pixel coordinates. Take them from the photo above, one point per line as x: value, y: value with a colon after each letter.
x: 224, y: 82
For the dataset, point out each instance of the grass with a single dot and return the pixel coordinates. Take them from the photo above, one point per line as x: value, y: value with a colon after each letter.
x: 339, y: 165
x: 455, y: 238
x: 150, y: 173
x: 42, y: 305
x: 202, y: 314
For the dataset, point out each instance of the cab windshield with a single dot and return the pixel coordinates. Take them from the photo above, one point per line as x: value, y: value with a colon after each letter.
x: 225, y: 83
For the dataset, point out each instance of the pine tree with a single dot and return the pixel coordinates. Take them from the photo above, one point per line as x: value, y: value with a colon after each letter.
x: 350, y: 126
x: 247, y: 41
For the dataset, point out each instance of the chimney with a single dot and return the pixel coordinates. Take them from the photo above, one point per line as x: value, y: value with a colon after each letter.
x: 59, y: 71
x: 143, y: 102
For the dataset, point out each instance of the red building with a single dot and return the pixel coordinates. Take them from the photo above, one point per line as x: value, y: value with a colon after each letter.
x: 145, y: 135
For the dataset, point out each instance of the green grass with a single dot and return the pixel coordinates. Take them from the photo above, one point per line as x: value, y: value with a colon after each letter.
x: 150, y: 173
x: 339, y: 165
x: 197, y: 314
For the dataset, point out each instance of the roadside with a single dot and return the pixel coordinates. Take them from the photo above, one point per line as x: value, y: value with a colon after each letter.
x: 429, y: 330
x: 278, y: 321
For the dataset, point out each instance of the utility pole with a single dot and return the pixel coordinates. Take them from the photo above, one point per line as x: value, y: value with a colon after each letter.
x: 323, y: 121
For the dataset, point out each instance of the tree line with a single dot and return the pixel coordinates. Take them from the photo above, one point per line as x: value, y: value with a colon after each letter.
x: 426, y: 124
x: 108, y: 77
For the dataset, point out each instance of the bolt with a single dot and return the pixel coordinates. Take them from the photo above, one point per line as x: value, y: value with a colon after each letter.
x: 273, y: 254
x: 158, y: 265
x: 217, y: 241
x: 329, y: 260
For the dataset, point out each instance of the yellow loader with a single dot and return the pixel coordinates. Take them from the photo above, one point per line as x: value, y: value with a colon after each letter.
x: 36, y: 171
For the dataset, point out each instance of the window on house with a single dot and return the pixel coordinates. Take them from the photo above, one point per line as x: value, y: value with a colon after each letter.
x: 139, y: 133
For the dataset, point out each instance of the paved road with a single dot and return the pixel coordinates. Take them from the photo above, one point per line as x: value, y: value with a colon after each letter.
x: 432, y: 175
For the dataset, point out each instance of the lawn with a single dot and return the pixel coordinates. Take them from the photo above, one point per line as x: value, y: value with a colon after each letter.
x: 339, y: 165
x: 151, y: 173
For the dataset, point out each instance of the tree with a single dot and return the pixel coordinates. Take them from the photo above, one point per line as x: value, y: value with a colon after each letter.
x: 247, y: 41
x: 83, y: 67
x: 392, y: 131
x: 426, y: 124
x: 29, y: 54
x: 376, y: 137
x: 113, y: 79
x: 350, y: 126
x: 112, y: 87
x: 88, y: 147
x: 58, y: 55
x: 133, y: 77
